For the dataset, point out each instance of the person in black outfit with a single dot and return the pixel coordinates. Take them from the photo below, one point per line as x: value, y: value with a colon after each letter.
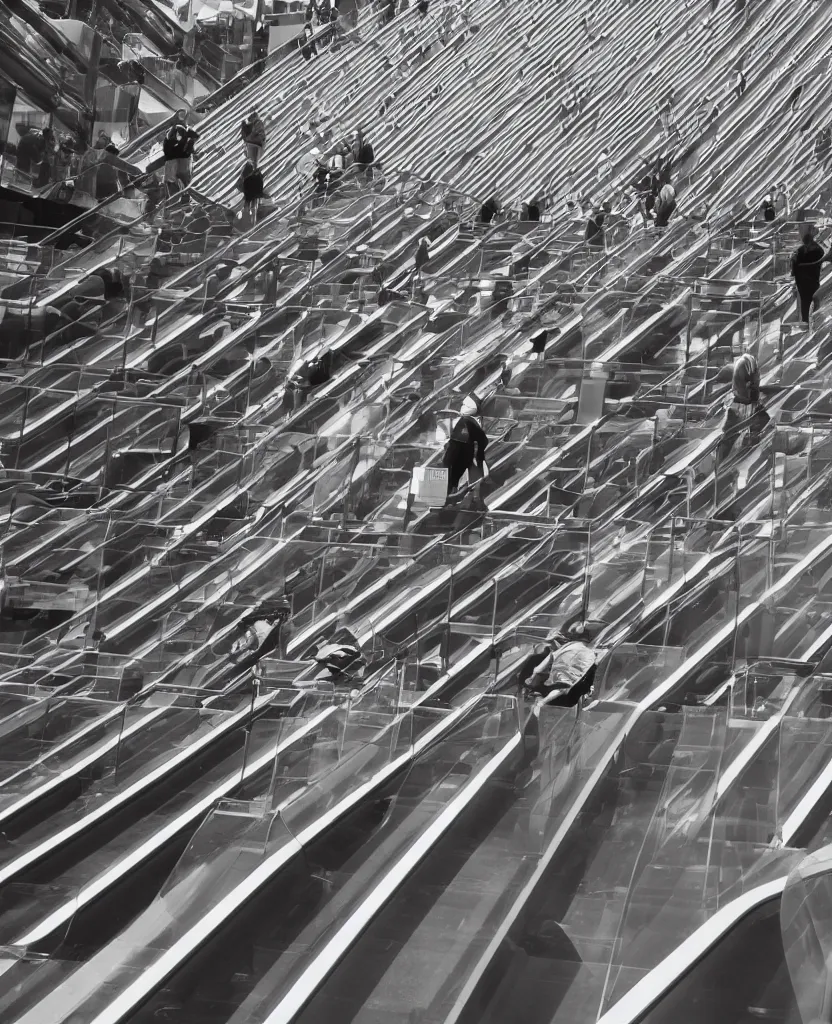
x: 363, y: 154
x: 489, y: 210
x: 422, y: 257
x: 178, y: 149
x: 308, y: 49
x: 250, y: 183
x: 806, y: 267
x: 768, y: 208
x: 594, y: 234
x: 465, y: 450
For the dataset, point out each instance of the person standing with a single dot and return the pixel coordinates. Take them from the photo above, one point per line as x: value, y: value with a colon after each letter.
x: 806, y: 266
x: 769, y: 210
x: 490, y: 209
x: 250, y: 183
x: 178, y: 150
x: 665, y: 205
x: 594, y: 234
x: 466, y: 446
x: 253, y: 134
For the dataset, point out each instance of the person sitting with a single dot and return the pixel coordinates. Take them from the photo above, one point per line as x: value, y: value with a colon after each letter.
x: 259, y: 636
x: 565, y: 671
x: 745, y: 408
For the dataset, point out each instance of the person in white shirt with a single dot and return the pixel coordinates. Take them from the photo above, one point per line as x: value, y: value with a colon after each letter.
x: 566, y: 673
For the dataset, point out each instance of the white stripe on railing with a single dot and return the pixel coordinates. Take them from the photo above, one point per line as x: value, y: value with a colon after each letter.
x: 661, y: 979
x: 337, y: 947
x: 154, y: 974
x: 131, y: 860
x: 78, y: 766
x: 641, y: 708
x: 12, y: 868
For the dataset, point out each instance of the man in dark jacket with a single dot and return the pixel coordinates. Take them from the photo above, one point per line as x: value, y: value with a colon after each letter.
x: 178, y: 149
x: 595, y: 230
x: 806, y: 265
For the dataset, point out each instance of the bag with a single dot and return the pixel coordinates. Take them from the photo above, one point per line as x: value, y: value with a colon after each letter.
x: 430, y: 484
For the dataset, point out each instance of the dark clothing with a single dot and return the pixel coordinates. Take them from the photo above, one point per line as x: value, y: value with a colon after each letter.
x: 769, y: 211
x: 422, y: 256
x: 253, y: 131
x: 466, y: 446
x: 364, y: 154
x: 308, y: 49
x: 250, y: 183
x: 179, y: 142
x: 664, y: 211
x: 533, y: 211
x: 320, y: 372
x: 808, y: 301
x: 489, y: 210
x: 595, y: 230
x: 806, y: 266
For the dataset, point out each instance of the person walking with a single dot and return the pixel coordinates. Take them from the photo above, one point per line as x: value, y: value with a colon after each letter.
x: 465, y: 450
x: 253, y: 134
x: 250, y: 183
x: 178, y: 150
x: 806, y: 266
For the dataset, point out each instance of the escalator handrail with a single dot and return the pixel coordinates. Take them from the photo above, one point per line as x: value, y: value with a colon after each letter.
x: 649, y: 990
x: 654, y: 698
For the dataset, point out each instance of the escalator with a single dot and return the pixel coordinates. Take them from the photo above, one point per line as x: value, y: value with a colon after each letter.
x: 338, y: 860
